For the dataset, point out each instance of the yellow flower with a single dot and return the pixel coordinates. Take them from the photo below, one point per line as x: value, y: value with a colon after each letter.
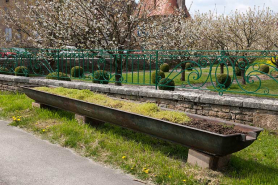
x: 259, y: 139
x: 132, y: 168
x: 184, y: 180
x: 36, y: 123
x: 123, y: 157
x: 146, y: 170
x: 43, y: 130
x: 18, y: 119
x: 170, y: 176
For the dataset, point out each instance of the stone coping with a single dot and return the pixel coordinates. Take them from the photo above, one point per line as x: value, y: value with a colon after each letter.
x: 197, y: 96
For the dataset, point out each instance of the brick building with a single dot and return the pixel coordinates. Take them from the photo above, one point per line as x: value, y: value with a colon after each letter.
x: 165, y: 7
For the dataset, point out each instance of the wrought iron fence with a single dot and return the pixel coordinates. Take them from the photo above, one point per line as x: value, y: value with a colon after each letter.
x: 247, y: 72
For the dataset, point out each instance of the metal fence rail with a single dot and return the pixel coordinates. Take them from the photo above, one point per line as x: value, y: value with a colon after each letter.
x: 247, y: 72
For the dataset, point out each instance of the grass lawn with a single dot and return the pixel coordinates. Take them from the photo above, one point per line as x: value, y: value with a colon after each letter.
x: 145, y: 157
x: 144, y: 77
x: 260, y: 89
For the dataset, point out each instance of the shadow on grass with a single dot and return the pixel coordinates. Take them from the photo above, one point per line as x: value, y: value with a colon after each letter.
x: 251, y: 172
x: 173, y: 150
x: 169, y: 149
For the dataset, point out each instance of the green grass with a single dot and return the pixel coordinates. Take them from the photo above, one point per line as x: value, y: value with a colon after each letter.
x: 146, y: 157
x: 260, y: 89
x: 191, y: 77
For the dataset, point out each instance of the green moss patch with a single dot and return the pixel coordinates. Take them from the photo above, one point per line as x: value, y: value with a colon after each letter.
x: 146, y: 109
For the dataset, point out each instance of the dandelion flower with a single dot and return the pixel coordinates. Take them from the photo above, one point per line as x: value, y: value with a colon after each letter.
x: 170, y: 176
x: 123, y: 157
x: 147, y: 170
x: 43, y: 130
x: 184, y: 180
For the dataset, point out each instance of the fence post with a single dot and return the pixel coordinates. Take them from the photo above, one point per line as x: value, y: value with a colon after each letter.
x: 156, y: 67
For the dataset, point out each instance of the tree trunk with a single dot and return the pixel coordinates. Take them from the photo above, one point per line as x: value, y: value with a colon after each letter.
x: 222, y: 68
x: 243, y: 76
x: 183, y: 72
x: 118, y: 73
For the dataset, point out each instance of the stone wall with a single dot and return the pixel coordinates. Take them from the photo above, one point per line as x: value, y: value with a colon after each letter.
x: 261, y: 112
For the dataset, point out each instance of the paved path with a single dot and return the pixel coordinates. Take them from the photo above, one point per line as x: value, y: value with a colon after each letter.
x: 27, y: 160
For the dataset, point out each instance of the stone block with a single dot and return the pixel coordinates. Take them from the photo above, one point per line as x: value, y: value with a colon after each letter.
x: 205, y: 112
x: 207, y: 161
x: 222, y: 100
x: 266, y: 119
x: 213, y: 114
x: 192, y: 111
x: 235, y: 110
x: 241, y: 117
x: 171, y: 106
x: 190, y: 96
x: 200, y: 112
x: 224, y: 115
x: 42, y: 106
x: 197, y: 107
x: 87, y: 120
x: 215, y: 108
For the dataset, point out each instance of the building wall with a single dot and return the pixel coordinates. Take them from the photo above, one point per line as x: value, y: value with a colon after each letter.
x: 15, y: 33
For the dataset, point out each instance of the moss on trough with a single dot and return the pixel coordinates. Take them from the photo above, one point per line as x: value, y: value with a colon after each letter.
x: 146, y: 109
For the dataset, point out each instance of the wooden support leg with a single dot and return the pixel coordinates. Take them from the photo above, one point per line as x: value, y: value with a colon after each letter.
x: 87, y: 120
x: 42, y: 106
x: 207, y: 161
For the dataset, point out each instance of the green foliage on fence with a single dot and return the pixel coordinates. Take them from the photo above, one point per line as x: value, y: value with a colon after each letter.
x: 224, y: 80
x: 166, y: 84
x: 58, y: 76
x: 21, y: 71
x: 4, y: 70
x: 264, y: 68
x: 165, y: 67
x: 101, y: 77
x: 158, y: 76
x: 77, y: 72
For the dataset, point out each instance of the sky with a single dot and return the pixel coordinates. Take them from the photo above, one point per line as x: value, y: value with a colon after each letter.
x: 226, y: 6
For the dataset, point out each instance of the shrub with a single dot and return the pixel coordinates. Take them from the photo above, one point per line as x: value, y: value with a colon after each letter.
x: 224, y: 79
x: 101, y: 77
x: 54, y: 76
x: 165, y: 67
x: 160, y: 74
x: 188, y: 66
x: 169, y: 84
x: 237, y: 71
x: 4, y: 70
x: 77, y: 71
x: 264, y: 68
x: 21, y: 71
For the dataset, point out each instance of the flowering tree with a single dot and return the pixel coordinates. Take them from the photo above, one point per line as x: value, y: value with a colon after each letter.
x: 113, y: 26
x: 91, y: 24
